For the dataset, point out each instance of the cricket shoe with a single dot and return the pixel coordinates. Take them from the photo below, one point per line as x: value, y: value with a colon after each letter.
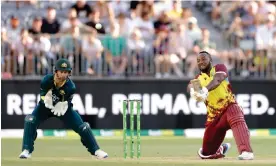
x: 246, y: 156
x: 25, y: 154
x: 101, y: 154
x: 226, y: 147
x: 217, y: 155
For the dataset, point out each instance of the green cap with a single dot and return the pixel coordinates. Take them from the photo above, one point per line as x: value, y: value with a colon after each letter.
x: 63, y: 65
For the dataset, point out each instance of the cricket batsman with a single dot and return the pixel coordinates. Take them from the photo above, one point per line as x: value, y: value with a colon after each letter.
x: 56, y: 93
x: 223, y: 112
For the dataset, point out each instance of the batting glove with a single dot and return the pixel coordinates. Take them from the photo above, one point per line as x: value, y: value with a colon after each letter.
x: 202, y: 95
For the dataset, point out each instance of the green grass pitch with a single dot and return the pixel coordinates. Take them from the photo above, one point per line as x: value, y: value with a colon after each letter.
x: 163, y: 151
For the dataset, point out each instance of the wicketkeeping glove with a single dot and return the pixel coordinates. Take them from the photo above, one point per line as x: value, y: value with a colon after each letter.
x: 48, y: 100
x: 60, y: 108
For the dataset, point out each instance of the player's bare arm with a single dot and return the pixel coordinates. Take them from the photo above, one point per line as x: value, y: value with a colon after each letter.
x: 218, y: 78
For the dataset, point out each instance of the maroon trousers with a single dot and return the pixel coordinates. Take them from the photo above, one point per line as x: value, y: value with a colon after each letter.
x: 215, y: 131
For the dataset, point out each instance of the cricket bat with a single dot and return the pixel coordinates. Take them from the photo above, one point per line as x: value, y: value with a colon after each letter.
x: 196, y: 84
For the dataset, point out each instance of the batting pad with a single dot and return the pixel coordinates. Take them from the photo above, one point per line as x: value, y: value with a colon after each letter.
x: 87, y: 138
x: 29, y: 133
x: 239, y: 128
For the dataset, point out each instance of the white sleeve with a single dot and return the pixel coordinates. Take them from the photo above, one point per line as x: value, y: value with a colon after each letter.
x: 98, y: 45
x: 141, y: 44
x: 258, y: 38
x: 151, y: 27
x: 130, y: 44
x: 45, y: 44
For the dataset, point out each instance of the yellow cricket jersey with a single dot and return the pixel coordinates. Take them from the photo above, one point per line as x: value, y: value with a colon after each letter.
x: 219, y: 98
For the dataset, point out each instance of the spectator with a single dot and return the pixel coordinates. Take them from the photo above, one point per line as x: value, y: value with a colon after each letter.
x: 235, y: 58
x: 264, y: 33
x: 135, y: 42
x: 106, y: 12
x: 264, y: 9
x: 249, y: 17
x: 74, y: 22
x: 133, y: 5
x: 176, y: 11
x: 180, y: 44
x: 162, y: 6
x: 119, y: 6
x: 92, y: 50
x: 41, y: 50
x: 82, y: 8
x: 193, y: 31
x: 50, y: 24
x: 174, y: 32
x: 161, y: 52
x: 163, y: 20
x: 36, y: 26
x: 251, y: 32
x: 205, y: 43
x: 216, y: 12
x: 40, y: 45
x: 185, y: 16
x: 223, y: 14
x: 6, y: 60
x: 126, y: 25
x: 22, y: 4
x: 23, y: 52
x: 272, y: 47
x: 71, y: 46
x: 136, y: 48
x: 72, y: 15
x: 145, y: 25
x: 95, y: 22
x: 237, y: 9
x: 235, y: 32
x: 145, y: 7
x: 272, y: 55
x: 13, y: 30
x: 115, y: 46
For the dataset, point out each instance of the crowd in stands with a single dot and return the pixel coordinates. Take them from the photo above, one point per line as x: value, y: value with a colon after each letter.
x: 135, y: 38
x: 249, y: 26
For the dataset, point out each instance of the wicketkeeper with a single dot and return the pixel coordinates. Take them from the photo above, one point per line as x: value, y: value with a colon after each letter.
x: 223, y: 112
x: 56, y: 93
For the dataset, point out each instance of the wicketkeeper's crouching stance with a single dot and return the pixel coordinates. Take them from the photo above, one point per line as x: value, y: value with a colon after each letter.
x: 223, y: 113
x: 56, y: 96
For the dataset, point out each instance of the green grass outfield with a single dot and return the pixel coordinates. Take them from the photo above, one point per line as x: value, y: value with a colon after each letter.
x: 163, y: 151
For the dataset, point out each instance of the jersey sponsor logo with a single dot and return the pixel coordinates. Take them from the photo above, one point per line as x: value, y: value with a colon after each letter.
x: 151, y: 104
x: 55, y: 98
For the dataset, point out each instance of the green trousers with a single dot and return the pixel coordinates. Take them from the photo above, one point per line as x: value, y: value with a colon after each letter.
x: 71, y: 119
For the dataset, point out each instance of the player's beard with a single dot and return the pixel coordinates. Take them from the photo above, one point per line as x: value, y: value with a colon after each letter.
x: 206, y: 69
